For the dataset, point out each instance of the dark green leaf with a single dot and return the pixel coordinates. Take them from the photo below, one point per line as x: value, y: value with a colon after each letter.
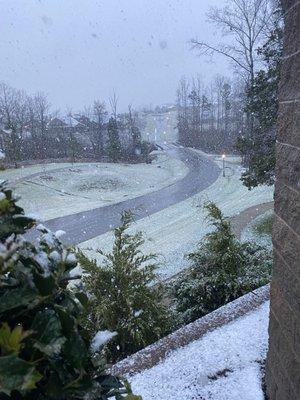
x: 44, y: 284
x: 75, y: 350
x: 17, y: 374
x: 15, y: 298
x: 48, y: 332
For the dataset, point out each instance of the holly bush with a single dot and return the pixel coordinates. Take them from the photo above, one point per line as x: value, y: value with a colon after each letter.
x: 45, y: 352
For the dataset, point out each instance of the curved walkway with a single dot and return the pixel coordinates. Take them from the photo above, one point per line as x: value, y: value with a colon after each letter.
x: 241, y: 220
x: 86, y: 225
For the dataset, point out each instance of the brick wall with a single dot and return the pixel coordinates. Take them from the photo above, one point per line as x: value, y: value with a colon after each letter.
x: 283, y: 362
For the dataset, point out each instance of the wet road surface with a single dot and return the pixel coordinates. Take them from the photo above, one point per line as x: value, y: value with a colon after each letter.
x: 86, y: 225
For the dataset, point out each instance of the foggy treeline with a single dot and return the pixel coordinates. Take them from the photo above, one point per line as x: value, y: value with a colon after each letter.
x: 211, y: 117
x: 215, y: 116
x: 29, y: 130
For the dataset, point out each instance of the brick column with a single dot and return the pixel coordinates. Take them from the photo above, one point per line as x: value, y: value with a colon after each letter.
x: 283, y: 361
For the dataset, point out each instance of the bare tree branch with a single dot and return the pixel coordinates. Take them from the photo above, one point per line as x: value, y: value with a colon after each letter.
x: 245, y: 22
x: 206, y: 48
x: 113, y: 101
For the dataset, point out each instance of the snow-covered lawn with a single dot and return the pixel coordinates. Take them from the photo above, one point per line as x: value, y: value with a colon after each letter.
x: 251, y: 234
x: 62, y: 189
x: 224, y: 364
x: 176, y: 230
x: 16, y: 174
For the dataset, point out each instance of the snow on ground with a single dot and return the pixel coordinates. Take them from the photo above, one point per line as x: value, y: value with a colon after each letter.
x: 175, y: 231
x: 250, y: 234
x: 16, y: 174
x: 224, y: 364
x: 62, y: 189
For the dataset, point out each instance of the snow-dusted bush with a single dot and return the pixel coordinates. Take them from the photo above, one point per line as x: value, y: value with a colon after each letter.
x: 222, y: 269
x: 123, y: 298
x: 45, y: 352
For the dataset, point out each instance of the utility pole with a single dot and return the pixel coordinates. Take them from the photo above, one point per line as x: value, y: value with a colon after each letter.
x: 223, y: 159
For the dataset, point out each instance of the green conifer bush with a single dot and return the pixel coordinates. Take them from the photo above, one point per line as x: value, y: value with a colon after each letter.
x: 124, y: 297
x: 114, y: 145
x: 222, y: 269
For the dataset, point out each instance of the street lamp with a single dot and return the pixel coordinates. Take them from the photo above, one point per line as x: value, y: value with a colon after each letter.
x: 223, y: 159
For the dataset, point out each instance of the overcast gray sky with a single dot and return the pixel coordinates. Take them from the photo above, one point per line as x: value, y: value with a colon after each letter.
x: 80, y: 50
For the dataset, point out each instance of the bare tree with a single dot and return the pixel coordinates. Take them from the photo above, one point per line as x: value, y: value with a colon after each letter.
x: 113, y: 101
x: 39, y: 116
x: 100, y: 117
x: 14, y: 117
x: 183, y: 112
x: 210, y: 117
x: 8, y: 102
x: 134, y: 133
x: 245, y: 23
x: 94, y: 118
x: 195, y: 98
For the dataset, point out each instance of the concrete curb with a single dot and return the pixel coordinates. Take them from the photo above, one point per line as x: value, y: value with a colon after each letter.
x: 155, y: 353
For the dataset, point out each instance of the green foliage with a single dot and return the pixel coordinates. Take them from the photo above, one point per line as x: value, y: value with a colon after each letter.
x: 11, y: 339
x: 44, y: 349
x: 260, y: 152
x: 124, y: 298
x: 12, y: 218
x: 136, y: 137
x: 262, y: 104
x: 114, y: 145
x: 146, y: 148
x: 222, y: 269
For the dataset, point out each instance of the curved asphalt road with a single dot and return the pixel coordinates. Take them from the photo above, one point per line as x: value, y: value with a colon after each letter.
x: 89, y: 224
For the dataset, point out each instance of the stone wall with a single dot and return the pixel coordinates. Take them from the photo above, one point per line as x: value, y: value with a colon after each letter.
x: 283, y: 362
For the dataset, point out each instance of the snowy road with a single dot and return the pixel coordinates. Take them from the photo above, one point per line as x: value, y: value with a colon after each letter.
x: 80, y: 227
x: 175, y: 231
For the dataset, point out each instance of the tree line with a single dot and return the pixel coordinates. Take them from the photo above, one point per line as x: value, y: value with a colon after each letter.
x: 210, y: 117
x: 30, y: 130
x: 239, y: 116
